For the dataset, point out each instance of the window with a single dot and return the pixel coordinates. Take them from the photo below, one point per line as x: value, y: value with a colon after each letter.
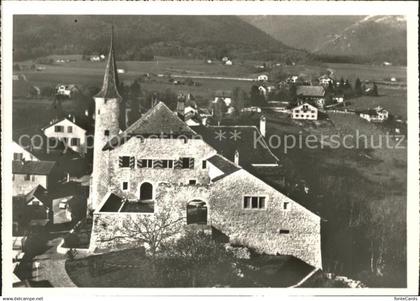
x: 286, y: 205
x: 127, y: 161
x: 313, y: 116
x: 75, y: 141
x: 204, y: 164
x: 187, y: 163
x: 106, y: 133
x: 124, y: 185
x: 59, y: 129
x: 284, y: 231
x: 33, y: 178
x: 167, y: 163
x: 254, y: 202
x: 193, y: 182
x: 27, y: 177
x: 17, y: 156
x: 35, y: 203
x: 69, y: 129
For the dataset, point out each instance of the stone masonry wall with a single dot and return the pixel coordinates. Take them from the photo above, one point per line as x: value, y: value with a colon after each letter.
x: 260, y: 228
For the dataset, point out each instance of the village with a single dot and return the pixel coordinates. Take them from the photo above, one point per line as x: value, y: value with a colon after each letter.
x: 76, y: 194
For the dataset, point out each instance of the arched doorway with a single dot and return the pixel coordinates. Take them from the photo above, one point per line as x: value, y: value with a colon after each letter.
x: 196, y: 212
x: 146, y: 191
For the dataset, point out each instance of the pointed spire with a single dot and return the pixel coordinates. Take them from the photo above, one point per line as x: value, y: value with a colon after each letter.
x: 110, y: 84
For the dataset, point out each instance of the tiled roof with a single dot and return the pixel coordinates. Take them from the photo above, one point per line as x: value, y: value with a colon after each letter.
x: 110, y: 84
x: 226, y: 166
x: 317, y: 91
x: 157, y: 121
x: 250, y: 151
x: 32, y: 167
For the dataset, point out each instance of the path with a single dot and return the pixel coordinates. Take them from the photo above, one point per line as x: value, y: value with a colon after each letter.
x: 52, y: 267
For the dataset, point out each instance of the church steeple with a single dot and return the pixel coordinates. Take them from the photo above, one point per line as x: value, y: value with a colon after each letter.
x: 110, y: 84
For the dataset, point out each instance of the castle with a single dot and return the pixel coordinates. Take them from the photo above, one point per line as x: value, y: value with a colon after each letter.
x: 161, y: 164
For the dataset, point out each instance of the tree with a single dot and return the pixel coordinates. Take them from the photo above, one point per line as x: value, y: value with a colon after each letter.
x: 358, y: 87
x: 134, y: 95
x: 151, y: 232
x: 219, y: 109
x: 202, y: 258
x: 375, y: 90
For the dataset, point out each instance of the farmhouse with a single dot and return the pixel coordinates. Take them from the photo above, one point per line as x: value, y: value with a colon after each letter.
x: 66, y: 90
x: 305, y: 111
x: 377, y: 114
x: 311, y: 94
x: 69, y: 132
x: 159, y: 164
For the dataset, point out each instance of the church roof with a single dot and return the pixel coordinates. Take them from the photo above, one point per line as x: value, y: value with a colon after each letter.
x: 158, y: 121
x: 110, y: 84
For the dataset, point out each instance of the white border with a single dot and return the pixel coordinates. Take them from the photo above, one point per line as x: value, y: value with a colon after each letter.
x: 409, y: 9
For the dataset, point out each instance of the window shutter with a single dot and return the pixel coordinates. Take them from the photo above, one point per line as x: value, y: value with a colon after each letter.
x: 191, y: 163
x: 178, y: 164
x: 157, y: 164
x: 120, y: 162
x: 140, y: 163
x: 132, y: 162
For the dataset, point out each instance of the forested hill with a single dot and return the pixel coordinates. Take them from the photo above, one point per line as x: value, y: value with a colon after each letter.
x: 142, y: 37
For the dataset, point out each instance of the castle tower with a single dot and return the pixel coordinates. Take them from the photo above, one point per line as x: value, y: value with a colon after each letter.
x: 107, y: 125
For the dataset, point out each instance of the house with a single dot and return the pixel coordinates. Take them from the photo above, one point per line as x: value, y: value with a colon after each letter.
x: 159, y: 164
x: 263, y: 90
x: 71, y: 133
x: 277, y: 106
x: 325, y: 80
x: 225, y: 95
x: 311, y: 94
x: 305, y: 111
x: 29, y: 174
x: 377, y: 114
x: 228, y: 63
x: 262, y: 78
x: 66, y: 90
x: 21, y: 153
x: 33, y: 208
x: 251, y: 109
x: 62, y: 210
x: 225, y: 59
x: 292, y: 79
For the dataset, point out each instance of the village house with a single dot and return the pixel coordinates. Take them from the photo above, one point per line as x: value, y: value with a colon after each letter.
x: 66, y: 90
x: 20, y: 153
x: 325, y: 80
x: 159, y: 164
x: 69, y: 132
x: 377, y: 114
x: 305, y: 111
x: 314, y: 95
x: 225, y: 95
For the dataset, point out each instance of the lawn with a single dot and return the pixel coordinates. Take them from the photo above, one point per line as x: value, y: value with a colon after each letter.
x: 131, y: 268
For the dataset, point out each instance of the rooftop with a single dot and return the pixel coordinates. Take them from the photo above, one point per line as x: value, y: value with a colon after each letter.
x: 157, y: 121
x: 226, y: 166
x: 40, y: 193
x: 32, y: 167
x: 250, y: 150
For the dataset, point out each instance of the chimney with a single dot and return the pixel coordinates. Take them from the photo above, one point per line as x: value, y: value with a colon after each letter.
x: 263, y: 125
x: 236, y: 158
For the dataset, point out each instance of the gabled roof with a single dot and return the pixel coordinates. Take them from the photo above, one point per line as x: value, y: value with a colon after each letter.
x: 224, y: 165
x: 159, y: 120
x: 40, y: 193
x: 251, y: 151
x: 32, y: 167
x: 317, y: 91
x: 59, y: 120
x: 112, y: 204
x: 110, y: 85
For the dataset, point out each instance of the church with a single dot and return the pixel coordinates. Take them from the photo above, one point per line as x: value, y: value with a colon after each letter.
x: 159, y: 164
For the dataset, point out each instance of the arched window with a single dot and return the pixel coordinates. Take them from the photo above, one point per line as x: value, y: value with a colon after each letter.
x: 196, y: 212
x: 146, y: 191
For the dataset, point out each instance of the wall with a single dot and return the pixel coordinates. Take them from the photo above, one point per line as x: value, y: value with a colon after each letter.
x: 77, y: 132
x: 16, y: 148
x: 157, y: 149
x: 259, y: 229
x: 20, y: 186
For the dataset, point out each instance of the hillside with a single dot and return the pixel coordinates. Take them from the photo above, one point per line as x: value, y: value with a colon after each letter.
x: 142, y: 37
x: 374, y: 38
